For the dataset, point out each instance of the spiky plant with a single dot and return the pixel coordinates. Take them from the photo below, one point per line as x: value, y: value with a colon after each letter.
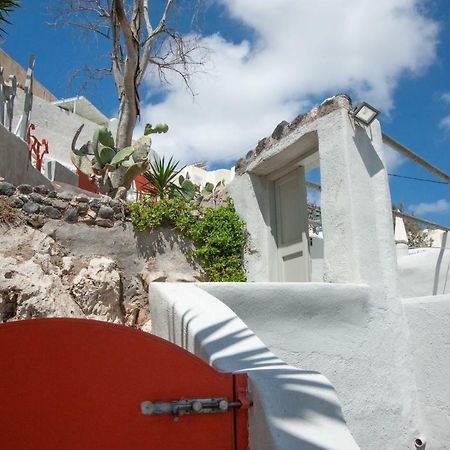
x: 6, y: 6
x: 161, y: 178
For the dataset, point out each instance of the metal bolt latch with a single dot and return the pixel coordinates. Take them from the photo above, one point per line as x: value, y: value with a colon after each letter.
x: 192, y: 406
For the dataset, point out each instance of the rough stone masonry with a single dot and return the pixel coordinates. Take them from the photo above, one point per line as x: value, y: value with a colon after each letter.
x: 71, y: 255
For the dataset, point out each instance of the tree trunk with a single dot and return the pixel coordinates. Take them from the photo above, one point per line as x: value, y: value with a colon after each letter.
x: 127, y: 120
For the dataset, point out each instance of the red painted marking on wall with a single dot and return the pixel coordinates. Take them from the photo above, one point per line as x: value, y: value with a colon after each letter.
x: 35, y: 146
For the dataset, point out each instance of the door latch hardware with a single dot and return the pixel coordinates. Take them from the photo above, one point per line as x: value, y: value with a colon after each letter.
x: 191, y: 406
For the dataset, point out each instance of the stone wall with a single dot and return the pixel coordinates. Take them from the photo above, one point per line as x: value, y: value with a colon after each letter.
x: 64, y: 254
x: 40, y: 203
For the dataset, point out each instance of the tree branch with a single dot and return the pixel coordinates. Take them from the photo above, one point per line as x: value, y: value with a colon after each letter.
x: 84, y: 26
x: 131, y: 37
x: 152, y: 34
x: 162, y: 23
x: 119, y: 10
x: 146, y: 13
x: 115, y: 54
x: 135, y: 43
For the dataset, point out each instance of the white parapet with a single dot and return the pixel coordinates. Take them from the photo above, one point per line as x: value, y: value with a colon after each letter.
x: 55, y: 171
x: 293, y: 409
x: 401, y: 237
x: 201, y: 176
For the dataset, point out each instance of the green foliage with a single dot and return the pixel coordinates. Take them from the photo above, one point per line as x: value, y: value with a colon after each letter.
x: 106, y: 155
x: 6, y: 6
x: 82, y: 163
x: 122, y: 155
x: 147, y: 215
x: 159, y: 128
x: 207, y: 190
x: 112, y: 169
x: 220, y: 241
x: 186, y: 191
x: 161, y: 176
x: 105, y: 137
x: 218, y: 234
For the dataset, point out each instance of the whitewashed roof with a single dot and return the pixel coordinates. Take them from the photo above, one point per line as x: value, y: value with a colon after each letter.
x: 84, y: 108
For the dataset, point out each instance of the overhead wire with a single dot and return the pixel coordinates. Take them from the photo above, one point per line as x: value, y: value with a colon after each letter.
x: 417, y: 179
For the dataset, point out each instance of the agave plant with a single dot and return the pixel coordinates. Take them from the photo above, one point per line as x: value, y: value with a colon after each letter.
x: 161, y: 177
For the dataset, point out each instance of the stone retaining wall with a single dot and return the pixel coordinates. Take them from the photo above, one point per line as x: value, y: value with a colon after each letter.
x: 39, y: 203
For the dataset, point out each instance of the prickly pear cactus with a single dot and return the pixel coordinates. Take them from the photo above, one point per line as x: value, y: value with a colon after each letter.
x: 111, y: 169
x: 187, y: 189
x: 208, y: 189
x: 158, y: 128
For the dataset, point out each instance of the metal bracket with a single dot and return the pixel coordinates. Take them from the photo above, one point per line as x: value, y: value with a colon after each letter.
x: 189, y: 406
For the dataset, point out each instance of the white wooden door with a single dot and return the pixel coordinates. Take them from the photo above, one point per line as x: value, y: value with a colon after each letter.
x: 292, y: 227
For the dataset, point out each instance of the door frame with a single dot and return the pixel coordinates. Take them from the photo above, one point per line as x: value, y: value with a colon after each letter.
x: 275, y: 177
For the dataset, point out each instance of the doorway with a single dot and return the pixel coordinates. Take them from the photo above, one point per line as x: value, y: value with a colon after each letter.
x: 293, y: 261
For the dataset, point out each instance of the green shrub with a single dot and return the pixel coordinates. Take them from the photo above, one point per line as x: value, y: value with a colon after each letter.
x: 147, y: 215
x: 218, y: 234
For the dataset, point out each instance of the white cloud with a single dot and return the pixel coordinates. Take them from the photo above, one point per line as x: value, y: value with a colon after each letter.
x: 302, y: 49
x: 392, y: 158
x: 439, y: 206
x: 314, y: 196
x: 445, y: 123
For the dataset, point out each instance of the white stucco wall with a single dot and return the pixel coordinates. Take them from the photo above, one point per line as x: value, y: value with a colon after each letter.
x: 355, y: 199
x: 429, y: 323
x: 421, y: 272
x: 56, y: 125
x: 14, y: 164
x: 358, y: 337
x: 342, y: 332
x: 316, y: 255
x: 251, y: 195
x: 438, y: 238
x: 56, y: 171
x: 294, y: 409
x: 201, y: 176
x: 424, y: 271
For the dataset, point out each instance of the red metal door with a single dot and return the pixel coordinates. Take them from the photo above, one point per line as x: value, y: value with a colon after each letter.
x: 78, y: 384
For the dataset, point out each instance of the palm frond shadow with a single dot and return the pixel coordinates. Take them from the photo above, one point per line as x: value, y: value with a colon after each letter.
x: 296, y: 394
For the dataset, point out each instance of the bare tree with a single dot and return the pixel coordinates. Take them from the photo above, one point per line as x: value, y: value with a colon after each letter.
x: 136, y: 42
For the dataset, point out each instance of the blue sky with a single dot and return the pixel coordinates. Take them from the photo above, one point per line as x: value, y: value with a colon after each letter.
x: 269, y: 61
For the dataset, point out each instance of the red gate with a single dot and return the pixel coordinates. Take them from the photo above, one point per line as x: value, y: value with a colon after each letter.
x: 82, y: 385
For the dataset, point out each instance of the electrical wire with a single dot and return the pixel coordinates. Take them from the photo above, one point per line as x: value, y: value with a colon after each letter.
x: 417, y: 179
